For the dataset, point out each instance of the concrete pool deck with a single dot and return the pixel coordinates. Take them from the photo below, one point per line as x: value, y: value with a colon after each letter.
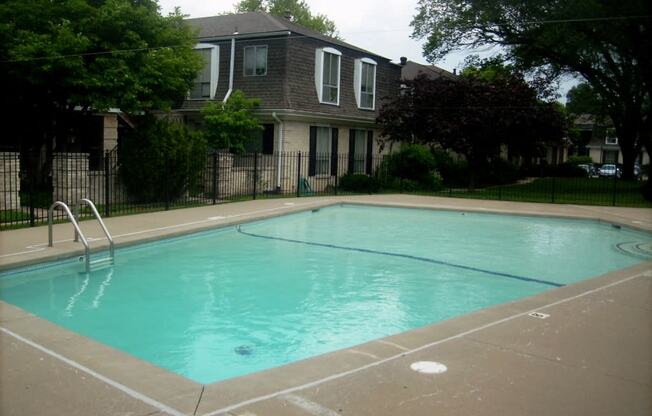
x: 592, y: 355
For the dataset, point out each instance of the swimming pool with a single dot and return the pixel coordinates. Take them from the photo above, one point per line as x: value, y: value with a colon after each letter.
x: 224, y: 303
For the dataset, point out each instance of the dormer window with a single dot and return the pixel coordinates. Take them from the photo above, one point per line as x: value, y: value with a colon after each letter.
x: 205, y: 84
x: 364, y: 79
x: 255, y: 61
x: 327, y: 75
x: 611, y: 137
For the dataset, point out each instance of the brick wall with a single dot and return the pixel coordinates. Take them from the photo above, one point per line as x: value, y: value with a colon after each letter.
x: 70, y: 179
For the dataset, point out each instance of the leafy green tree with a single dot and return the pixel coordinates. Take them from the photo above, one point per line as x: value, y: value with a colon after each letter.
x: 607, y: 42
x: 161, y: 160
x: 57, y: 57
x: 299, y: 10
x: 582, y: 99
x: 474, y: 115
x: 228, y: 126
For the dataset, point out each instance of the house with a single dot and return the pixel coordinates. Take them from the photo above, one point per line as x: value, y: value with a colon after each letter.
x: 319, y: 95
x: 601, y: 141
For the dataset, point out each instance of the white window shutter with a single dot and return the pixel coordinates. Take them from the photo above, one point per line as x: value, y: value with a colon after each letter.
x: 357, y: 80
x: 319, y: 67
x: 215, y: 65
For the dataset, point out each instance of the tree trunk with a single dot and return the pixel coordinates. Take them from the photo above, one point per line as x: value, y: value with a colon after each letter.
x: 627, y: 130
x: 629, y: 157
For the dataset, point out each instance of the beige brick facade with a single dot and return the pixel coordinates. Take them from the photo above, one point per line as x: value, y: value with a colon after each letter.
x: 110, y: 131
x: 296, y: 136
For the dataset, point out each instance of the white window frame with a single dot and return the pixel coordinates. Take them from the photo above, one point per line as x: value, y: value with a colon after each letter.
x: 611, y: 138
x: 357, y: 82
x: 215, y: 65
x: 319, y: 73
x: 244, y: 59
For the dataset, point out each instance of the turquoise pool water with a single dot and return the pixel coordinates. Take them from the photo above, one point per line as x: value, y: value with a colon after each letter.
x: 229, y: 302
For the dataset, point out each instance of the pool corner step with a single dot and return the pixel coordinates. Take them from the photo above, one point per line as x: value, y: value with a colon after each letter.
x: 101, y: 263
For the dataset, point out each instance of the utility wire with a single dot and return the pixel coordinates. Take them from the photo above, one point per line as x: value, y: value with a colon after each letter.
x: 296, y: 36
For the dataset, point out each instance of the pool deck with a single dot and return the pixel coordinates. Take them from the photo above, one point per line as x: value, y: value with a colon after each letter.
x: 592, y: 355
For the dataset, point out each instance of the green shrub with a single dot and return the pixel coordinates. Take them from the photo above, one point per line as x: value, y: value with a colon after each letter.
x: 412, y: 162
x: 411, y: 169
x: 160, y: 160
x: 579, y: 160
x: 499, y: 172
x: 455, y: 174
x: 356, y: 182
x: 568, y: 170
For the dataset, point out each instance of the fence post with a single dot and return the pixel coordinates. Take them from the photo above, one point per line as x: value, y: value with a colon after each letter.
x: 500, y: 183
x: 31, y: 175
x: 107, y: 182
x: 613, y: 196
x: 553, y: 190
x: 214, y: 178
x: 298, y: 174
x: 166, y: 175
x: 255, y: 173
x: 339, y: 163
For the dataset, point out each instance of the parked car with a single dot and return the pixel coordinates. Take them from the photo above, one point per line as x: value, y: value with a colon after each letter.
x: 609, y: 169
x: 590, y: 169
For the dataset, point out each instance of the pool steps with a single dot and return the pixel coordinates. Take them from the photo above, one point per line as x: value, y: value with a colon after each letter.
x: 102, y: 263
x: 89, y: 265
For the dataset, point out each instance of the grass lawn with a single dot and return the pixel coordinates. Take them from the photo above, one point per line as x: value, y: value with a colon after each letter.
x: 584, y: 191
x: 11, y: 215
x: 13, y: 219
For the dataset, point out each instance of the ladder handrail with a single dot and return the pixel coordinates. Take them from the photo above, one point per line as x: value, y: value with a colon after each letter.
x: 98, y: 218
x: 77, y: 230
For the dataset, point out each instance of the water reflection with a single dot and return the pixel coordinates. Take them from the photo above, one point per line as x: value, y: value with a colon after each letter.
x: 72, y: 302
x: 100, y: 290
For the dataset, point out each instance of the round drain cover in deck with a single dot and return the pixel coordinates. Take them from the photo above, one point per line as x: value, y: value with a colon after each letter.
x: 428, y: 367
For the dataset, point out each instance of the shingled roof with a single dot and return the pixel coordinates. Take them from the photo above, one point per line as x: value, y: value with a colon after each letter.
x: 411, y: 70
x: 258, y: 23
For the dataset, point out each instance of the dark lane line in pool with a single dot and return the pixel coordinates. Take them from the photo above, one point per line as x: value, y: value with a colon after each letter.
x: 406, y: 256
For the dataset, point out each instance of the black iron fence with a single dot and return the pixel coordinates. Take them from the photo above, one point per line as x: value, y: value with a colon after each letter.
x: 30, y: 183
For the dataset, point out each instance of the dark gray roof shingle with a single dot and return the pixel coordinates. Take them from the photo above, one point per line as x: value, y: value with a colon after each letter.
x: 411, y: 70
x: 254, y: 23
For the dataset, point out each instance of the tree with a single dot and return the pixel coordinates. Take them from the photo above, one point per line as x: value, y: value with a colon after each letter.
x: 299, y: 10
x: 161, y: 160
x: 229, y: 125
x: 582, y: 99
x: 474, y: 115
x: 60, y: 57
x: 607, y: 42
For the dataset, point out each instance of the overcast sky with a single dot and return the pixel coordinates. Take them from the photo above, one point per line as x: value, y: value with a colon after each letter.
x: 380, y: 26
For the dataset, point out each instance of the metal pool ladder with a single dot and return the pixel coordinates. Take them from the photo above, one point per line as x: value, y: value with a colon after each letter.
x: 79, y: 235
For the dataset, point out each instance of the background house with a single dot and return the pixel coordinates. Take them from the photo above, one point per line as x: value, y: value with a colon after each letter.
x: 601, y: 141
x: 319, y: 95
